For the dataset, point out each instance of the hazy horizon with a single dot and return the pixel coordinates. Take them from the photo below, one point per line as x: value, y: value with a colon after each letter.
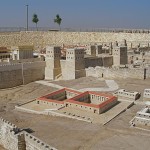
x: 77, y: 14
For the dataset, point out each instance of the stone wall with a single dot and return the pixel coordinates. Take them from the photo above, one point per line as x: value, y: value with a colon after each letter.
x: 13, y: 138
x: 17, y: 74
x: 123, y: 73
x: 41, y: 39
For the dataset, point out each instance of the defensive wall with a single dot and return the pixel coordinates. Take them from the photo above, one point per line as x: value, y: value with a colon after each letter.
x: 21, y: 73
x: 122, y: 73
x: 14, y: 138
x: 41, y: 39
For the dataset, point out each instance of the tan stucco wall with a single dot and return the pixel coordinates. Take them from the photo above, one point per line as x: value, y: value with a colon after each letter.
x: 12, y: 75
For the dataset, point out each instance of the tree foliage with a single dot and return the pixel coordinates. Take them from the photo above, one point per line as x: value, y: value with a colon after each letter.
x: 58, y: 20
x: 35, y: 20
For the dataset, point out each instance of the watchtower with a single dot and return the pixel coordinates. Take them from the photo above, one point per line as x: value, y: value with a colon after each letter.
x: 94, y: 50
x: 53, y: 56
x: 74, y: 64
x: 120, y: 55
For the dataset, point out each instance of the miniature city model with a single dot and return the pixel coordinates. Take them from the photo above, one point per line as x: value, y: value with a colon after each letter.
x: 89, y: 101
x: 71, y: 112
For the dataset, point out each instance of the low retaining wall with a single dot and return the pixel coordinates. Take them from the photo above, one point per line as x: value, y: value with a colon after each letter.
x: 51, y: 112
x: 123, y: 73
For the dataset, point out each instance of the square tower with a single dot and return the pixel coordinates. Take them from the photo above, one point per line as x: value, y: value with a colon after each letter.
x: 120, y: 55
x: 74, y: 64
x: 98, y: 50
x: 53, y: 68
x: 94, y: 50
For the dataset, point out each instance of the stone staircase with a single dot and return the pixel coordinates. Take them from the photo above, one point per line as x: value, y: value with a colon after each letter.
x: 21, y: 142
x: 58, y: 77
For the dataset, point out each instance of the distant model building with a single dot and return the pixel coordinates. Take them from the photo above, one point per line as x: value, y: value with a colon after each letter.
x: 5, y: 54
x: 53, y: 68
x: 22, y: 52
x: 94, y: 50
x: 71, y: 68
x: 120, y: 54
x: 72, y: 65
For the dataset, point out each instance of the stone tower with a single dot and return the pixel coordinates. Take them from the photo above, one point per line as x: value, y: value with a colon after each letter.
x: 74, y: 65
x: 120, y: 55
x: 98, y: 49
x: 53, y: 68
x: 94, y: 50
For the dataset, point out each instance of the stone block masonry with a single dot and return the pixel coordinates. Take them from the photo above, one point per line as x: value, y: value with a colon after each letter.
x: 41, y: 39
x: 17, y: 74
x: 14, y: 138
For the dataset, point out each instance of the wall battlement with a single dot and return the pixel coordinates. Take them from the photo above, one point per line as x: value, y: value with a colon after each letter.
x: 37, y: 142
x: 13, y: 138
x: 10, y: 67
x: 11, y: 125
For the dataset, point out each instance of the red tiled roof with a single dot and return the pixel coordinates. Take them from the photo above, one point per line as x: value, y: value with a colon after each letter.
x: 44, y: 98
x: 74, y: 99
x: 93, y: 105
x: 113, y: 98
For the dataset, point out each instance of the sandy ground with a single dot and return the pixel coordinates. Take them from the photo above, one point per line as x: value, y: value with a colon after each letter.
x: 82, y: 83
x: 69, y: 134
x: 1, y: 148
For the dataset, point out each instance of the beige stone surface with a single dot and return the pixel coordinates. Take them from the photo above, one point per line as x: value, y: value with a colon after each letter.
x: 41, y: 39
x: 1, y: 148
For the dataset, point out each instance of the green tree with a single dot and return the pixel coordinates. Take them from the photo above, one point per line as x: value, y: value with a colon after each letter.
x: 58, y: 20
x: 35, y: 20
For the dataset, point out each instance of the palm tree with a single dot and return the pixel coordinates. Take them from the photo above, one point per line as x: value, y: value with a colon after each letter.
x: 35, y: 20
x: 58, y: 20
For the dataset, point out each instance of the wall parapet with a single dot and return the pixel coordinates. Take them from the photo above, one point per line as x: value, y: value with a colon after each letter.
x: 11, y: 140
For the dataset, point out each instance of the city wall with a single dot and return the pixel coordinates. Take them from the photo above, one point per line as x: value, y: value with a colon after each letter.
x: 14, y: 138
x: 40, y: 38
x: 122, y: 73
x: 17, y: 74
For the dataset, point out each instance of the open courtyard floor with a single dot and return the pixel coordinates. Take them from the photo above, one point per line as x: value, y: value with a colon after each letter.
x: 71, y: 134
